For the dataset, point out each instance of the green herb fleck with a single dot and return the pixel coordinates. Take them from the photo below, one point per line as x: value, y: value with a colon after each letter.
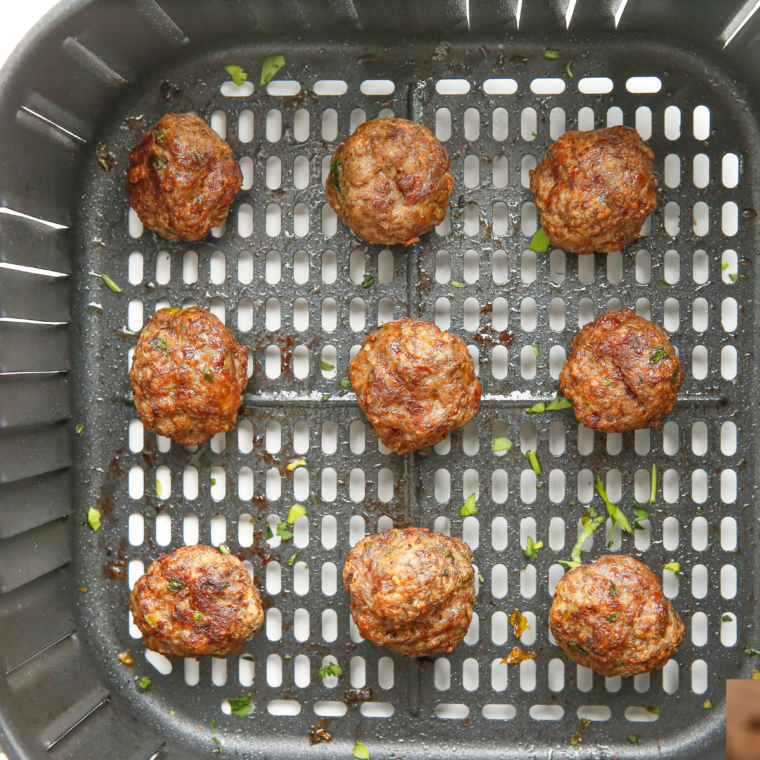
x: 724, y: 265
x: 212, y: 723
x: 295, y: 512
x: 569, y: 68
x: 160, y: 136
x: 607, y: 383
x: 360, y: 752
x: 727, y: 619
x: 733, y: 277
x: 470, y: 507
x: 111, y: 284
x: 653, y: 490
x: 538, y: 408
x: 457, y: 284
x: 558, y: 402
x: 533, y: 461
x: 613, y: 590
x: 664, y: 285
x: 80, y: 428
x: 532, y: 547
x: 639, y: 514
x: 501, y: 444
x: 213, y: 481
x: 345, y: 383
x: 238, y: 75
x: 240, y: 706
x: 272, y: 64
x: 674, y: 567
x: 481, y: 578
x: 658, y: 353
x: 707, y: 705
x: 551, y: 53
x: 287, y: 657
x: 144, y: 683
x: 208, y: 376
x: 334, y: 178
x: 324, y: 397
x: 327, y: 367
x: 198, y: 616
x: 198, y: 157
x: 540, y: 242
x: 93, y: 518
x: 574, y: 647
x: 446, y: 553
x: 535, y: 350
x: 292, y: 560
x: 158, y: 488
x: 160, y: 344
x: 615, y: 513
x: 218, y: 749
x: 653, y: 710
x: 175, y: 585
x: 283, y: 532
x: 172, y: 713
x: 368, y: 280
x: 223, y: 549
x: 331, y: 669
x: 751, y: 651
x: 612, y: 617
x: 633, y: 739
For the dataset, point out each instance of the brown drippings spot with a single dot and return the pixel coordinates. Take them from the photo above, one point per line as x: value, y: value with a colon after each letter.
x: 357, y: 696
x: 318, y: 734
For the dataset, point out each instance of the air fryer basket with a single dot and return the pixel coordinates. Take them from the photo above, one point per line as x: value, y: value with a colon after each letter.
x: 289, y: 286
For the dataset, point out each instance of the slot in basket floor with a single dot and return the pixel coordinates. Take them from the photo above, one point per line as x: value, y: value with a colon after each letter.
x: 288, y: 285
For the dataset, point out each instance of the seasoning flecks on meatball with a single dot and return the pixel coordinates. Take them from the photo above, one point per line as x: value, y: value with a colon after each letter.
x: 611, y: 616
x: 188, y: 375
x: 390, y: 181
x: 622, y: 373
x: 594, y: 190
x: 196, y: 601
x: 414, y: 383
x: 182, y: 178
x: 411, y: 590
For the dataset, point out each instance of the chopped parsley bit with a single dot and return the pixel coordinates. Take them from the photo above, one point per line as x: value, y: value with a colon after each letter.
x: 237, y: 74
x: 144, y: 683
x: 517, y: 655
x: 755, y: 674
x: 368, y: 280
x: 535, y: 349
x: 633, y: 739
x: 607, y: 382
x: 727, y: 619
x: 126, y: 658
x: 481, y: 578
x: 287, y: 657
x: 674, y: 567
x: 208, y: 376
x: 327, y: 367
x: 80, y: 428
x: 83, y: 589
x: 334, y: 178
x: 569, y: 69
x: 218, y: 749
x: 707, y: 705
x: 224, y: 584
x: 615, y: 513
x: 158, y: 488
x: 576, y: 737
x: 198, y: 616
x: 501, y: 444
x: 751, y: 651
x: 733, y: 277
x: 613, y: 590
x: 658, y: 353
x: 269, y: 533
x: 653, y: 491
x: 360, y: 751
x: 283, y: 532
x: 111, y: 284
x: 533, y: 461
x: 558, y: 402
x: 653, y: 710
x: 175, y: 585
x: 724, y: 265
x: 300, y: 463
x: 639, y: 514
x: 172, y: 713
x: 160, y: 344
x: 223, y: 549
x: 540, y: 242
x: 641, y: 379
x: 664, y: 285
x: 324, y: 397
x: 612, y: 617
x: 93, y: 519
x: 446, y: 553
x: 292, y: 560
x: 591, y: 523
x: 457, y: 284
x: 240, y: 706
x: 518, y: 621
x: 331, y: 669
x: 247, y: 657
x: 538, y: 408
x: 469, y: 508
x: 345, y: 382
x: 160, y: 135
x: 532, y: 547
x: 551, y: 53
x: 198, y: 157
x: 295, y: 512
x: 574, y: 647
x: 212, y: 723
x: 213, y: 481
x: 272, y: 64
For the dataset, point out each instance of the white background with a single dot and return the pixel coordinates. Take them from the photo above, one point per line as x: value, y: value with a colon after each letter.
x: 16, y: 18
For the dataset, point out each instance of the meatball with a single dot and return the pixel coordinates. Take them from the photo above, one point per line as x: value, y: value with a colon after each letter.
x: 188, y: 375
x: 390, y: 181
x: 611, y: 616
x: 594, y: 190
x: 622, y: 373
x: 182, y: 178
x: 411, y: 590
x: 196, y: 601
x: 415, y: 383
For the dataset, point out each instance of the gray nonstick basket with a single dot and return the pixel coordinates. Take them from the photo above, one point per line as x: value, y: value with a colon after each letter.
x: 289, y: 281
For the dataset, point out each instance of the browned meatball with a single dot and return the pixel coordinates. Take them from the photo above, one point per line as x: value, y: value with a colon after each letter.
x: 594, y: 190
x: 182, y: 178
x: 611, y: 616
x: 622, y: 373
x: 196, y: 601
x: 390, y: 181
x: 411, y: 590
x: 415, y: 383
x: 188, y: 375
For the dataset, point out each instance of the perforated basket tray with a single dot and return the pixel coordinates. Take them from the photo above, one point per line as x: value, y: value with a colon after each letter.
x: 288, y: 285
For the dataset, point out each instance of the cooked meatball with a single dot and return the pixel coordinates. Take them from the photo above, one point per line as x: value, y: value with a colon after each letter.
x: 411, y: 590
x: 390, y: 181
x: 622, y: 373
x: 182, y: 178
x: 196, y: 601
x: 611, y: 616
x: 594, y: 190
x: 415, y: 383
x: 188, y: 375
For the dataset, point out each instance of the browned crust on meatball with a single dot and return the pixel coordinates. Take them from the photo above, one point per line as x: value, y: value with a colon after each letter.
x: 414, y: 383
x: 594, y: 190
x: 182, y: 178
x: 390, y: 181
x: 213, y: 610
x: 622, y: 373
x: 188, y: 375
x: 411, y: 590
x: 611, y: 616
